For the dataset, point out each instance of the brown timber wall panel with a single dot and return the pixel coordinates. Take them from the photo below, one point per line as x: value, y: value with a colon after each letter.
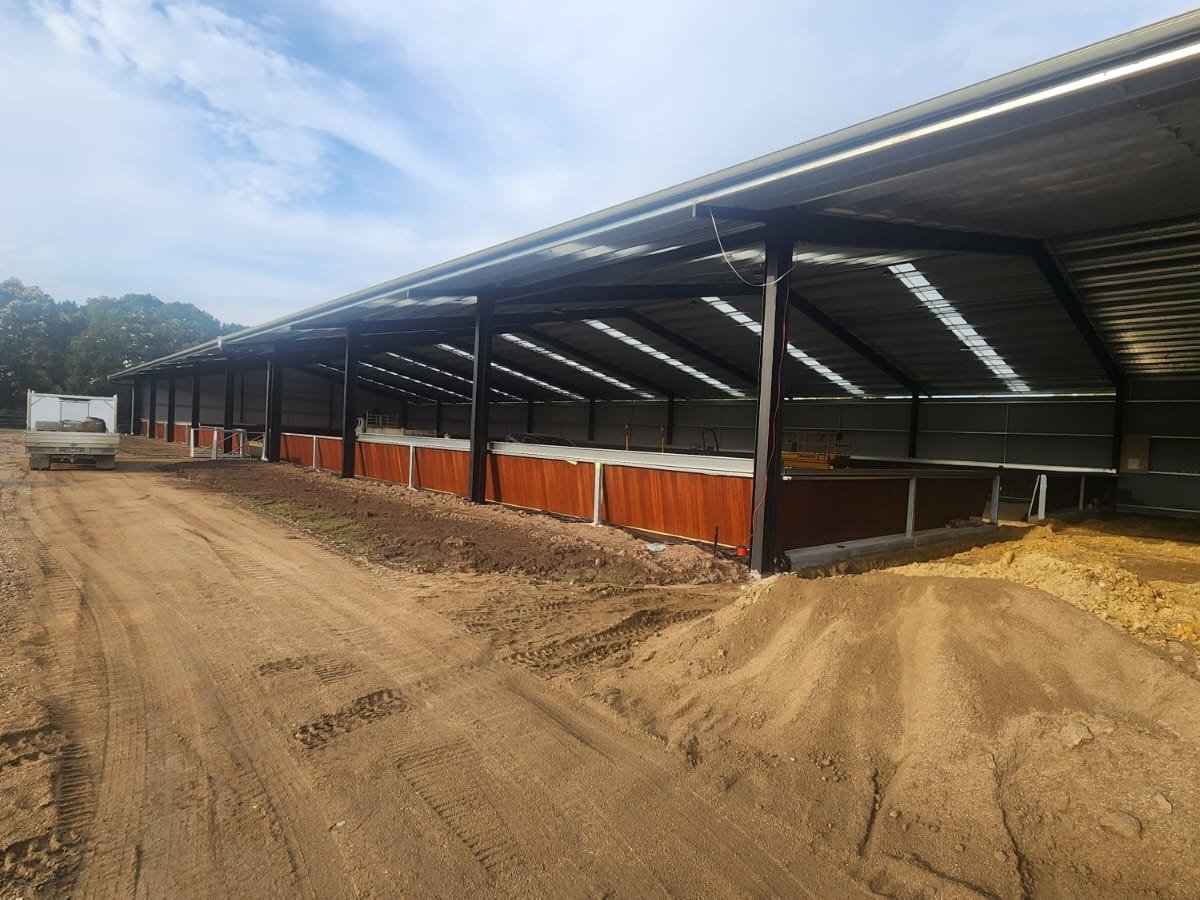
x: 141, y: 429
x: 554, y: 485
x: 296, y: 448
x: 685, y: 504
x: 160, y: 429
x: 942, y: 500
x: 329, y: 454
x: 181, y: 433
x: 441, y: 470
x: 814, y: 511
x: 387, y: 462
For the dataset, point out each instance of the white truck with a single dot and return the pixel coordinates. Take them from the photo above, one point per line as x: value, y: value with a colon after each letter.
x: 67, y: 428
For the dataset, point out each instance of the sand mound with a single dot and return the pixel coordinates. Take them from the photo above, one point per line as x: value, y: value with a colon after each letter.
x: 957, y: 736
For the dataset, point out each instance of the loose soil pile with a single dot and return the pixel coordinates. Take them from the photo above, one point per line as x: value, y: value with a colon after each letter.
x: 1140, y: 576
x: 422, y: 531
x: 957, y: 736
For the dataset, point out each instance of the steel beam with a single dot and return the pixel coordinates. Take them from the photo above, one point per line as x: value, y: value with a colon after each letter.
x: 480, y: 400
x: 690, y: 346
x: 273, y: 441
x: 768, y: 482
x: 169, y: 433
x: 595, y: 362
x: 914, y: 424
x: 349, y: 413
x: 227, y: 417
x: 152, y: 405
x: 195, y: 419
x: 1059, y: 282
x: 848, y: 231
x: 866, y: 351
x: 598, y: 292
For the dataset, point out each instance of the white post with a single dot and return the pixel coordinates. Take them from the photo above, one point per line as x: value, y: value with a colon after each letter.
x: 1042, y: 481
x: 910, y: 522
x: 996, y: 500
x: 1082, y: 484
x: 597, y: 492
x: 314, y: 437
x: 412, y: 465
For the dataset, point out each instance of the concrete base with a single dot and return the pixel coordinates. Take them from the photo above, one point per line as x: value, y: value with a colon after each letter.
x: 892, y: 548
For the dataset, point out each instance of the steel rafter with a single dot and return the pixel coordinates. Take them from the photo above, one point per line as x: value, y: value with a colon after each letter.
x: 690, y: 346
x: 594, y: 361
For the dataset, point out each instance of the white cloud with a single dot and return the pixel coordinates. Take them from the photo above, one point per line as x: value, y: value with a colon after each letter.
x: 254, y: 159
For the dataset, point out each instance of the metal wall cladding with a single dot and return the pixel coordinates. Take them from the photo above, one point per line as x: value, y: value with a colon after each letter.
x: 1141, y: 287
x: 685, y: 504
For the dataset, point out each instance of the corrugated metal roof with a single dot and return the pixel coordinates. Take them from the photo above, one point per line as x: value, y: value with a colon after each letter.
x: 1102, y: 138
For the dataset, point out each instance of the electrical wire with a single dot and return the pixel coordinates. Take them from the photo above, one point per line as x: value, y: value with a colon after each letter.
x: 737, y: 274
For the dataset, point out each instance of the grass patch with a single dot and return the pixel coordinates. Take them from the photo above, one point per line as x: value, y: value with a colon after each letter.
x: 340, y: 529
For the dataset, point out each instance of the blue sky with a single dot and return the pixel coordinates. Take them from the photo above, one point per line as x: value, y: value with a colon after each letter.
x: 257, y: 157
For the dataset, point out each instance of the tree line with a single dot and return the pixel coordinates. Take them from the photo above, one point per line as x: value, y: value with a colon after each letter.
x: 67, y: 347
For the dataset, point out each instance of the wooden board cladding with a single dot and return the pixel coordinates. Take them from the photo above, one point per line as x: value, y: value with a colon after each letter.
x: 181, y: 433
x: 329, y: 454
x: 814, y: 511
x: 685, y: 504
x: 441, y: 470
x: 554, y: 485
x: 941, y: 501
x: 296, y: 448
x: 387, y: 462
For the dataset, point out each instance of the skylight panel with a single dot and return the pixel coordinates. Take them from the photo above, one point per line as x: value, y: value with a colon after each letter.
x: 417, y: 381
x: 931, y: 298
x: 792, y: 350
x: 631, y: 341
x: 365, y: 380
x: 578, y: 366
x: 446, y: 374
x: 562, y: 392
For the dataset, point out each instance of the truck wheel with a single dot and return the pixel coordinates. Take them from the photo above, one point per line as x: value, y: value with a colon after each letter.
x: 39, y: 463
x: 105, y: 462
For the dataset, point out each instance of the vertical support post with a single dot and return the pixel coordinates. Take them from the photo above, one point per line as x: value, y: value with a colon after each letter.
x: 529, y: 417
x: 477, y: 478
x: 152, y: 408
x: 349, y: 413
x: 764, y: 513
x: 914, y: 424
x: 995, y: 512
x: 170, y: 435
x: 670, y: 419
x: 1082, y: 489
x: 437, y: 419
x: 135, y: 407
x: 1042, y: 485
x: 274, y: 437
x: 227, y: 413
x: 598, y: 493
x: 412, y: 464
x: 1118, y: 425
x: 195, y: 399
x: 911, y: 520
x: 591, y: 419
x: 403, y: 413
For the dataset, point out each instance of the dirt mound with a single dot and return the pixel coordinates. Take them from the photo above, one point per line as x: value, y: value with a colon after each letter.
x: 958, y: 736
x: 1140, y: 577
x: 428, y: 532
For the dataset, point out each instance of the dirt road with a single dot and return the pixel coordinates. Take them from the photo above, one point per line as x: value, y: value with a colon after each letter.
x: 200, y: 702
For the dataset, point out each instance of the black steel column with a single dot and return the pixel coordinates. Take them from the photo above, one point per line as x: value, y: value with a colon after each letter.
x: 477, y: 481
x: 195, y: 400
x: 670, y: 419
x: 437, y: 418
x: 170, y: 430
x: 764, y: 514
x: 274, y: 407
x: 153, y: 407
x: 1118, y: 424
x: 914, y: 426
x: 591, y: 422
x: 349, y: 413
x: 227, y: 417
x: 529, y: 417
x: 135, y: 407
